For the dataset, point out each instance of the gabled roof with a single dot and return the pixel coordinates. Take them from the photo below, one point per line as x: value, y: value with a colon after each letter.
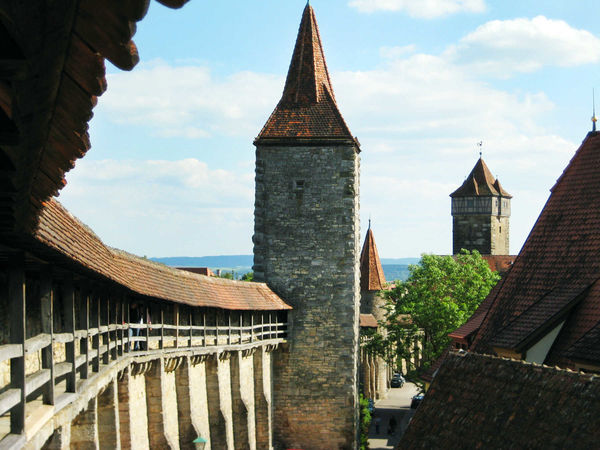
x: 478, y: 401
x: 307, y: 109
x: 63, y: 233
x: 371, y: 272
x: 556, y: 276
x: 480, y: 182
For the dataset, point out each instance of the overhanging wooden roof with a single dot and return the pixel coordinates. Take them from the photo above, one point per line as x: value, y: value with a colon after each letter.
x: 51, y: 72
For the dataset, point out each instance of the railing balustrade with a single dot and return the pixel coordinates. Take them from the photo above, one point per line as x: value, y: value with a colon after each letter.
x: 86, y: 325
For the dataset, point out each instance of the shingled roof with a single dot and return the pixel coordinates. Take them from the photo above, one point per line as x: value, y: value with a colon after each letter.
x: 478, y: 401
x: 556, y: 276
x: 480, y: 183
x: 65, y: 234
x: 51, y: 73
x: 307, y: 109
x: 371, y: 272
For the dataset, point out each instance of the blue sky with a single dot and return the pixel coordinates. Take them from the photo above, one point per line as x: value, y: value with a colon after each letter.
x: 419, y: 82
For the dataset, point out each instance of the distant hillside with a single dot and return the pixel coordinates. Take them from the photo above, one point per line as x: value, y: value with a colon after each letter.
x: 393, y: 268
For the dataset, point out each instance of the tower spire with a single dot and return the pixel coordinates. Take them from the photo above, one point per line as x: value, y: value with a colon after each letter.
x: 594, y: 118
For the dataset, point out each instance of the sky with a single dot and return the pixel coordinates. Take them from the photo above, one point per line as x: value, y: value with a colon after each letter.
x: 419, y: 82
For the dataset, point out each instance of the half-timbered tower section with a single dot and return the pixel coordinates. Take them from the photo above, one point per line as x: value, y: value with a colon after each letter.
x: 306, y: 248
x: 481, y: 214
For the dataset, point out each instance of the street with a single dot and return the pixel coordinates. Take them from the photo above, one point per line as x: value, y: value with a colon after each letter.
x: 397, y: 405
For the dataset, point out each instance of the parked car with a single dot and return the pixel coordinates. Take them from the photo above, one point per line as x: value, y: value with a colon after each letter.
x: 416, y: 401
x: 397, y: 380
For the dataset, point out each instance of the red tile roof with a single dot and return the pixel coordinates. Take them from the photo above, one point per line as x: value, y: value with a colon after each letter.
x: 478, y: 401
x: 307, y: 108
x: 371, y: 272
x: 480, y: 182
x: 64, y: 233
x: 555, y: 277
x: 368, y: 321
x: 199, y: 270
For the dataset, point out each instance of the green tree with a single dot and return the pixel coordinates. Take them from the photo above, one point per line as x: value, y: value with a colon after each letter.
x: 440, y: 295
x: 249, y: 276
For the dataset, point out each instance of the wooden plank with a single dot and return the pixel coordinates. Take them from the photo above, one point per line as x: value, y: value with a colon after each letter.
x: 162, y: 326
x: 95, y: 323
x: 252, y: 326
x: 63, y: 338
x: 146, y: 312
x: 12, y: 441
x: 36, y: 380
x: 106, y: 335
x: 8, y: 399
x: 191, y: 324
x: 17, y: 315
x: 63, y: 368
x: 86, y: 66
x: 37, y: 343
x: 68, y: 301
x: 128, y: 330
x: 9, y: 351
x: 47, y: 307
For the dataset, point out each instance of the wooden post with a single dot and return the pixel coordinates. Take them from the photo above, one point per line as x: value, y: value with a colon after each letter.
x: 176, y: 320
x: 121, y: 323
x: 162, y: 326
x: 17, y: 308
x: 204, y: 328
x: 191, y: 315
x: 126, y: 311
x: 84, y: 314
x: 147, y: 322
x: 216, y: 327
x: 95, y: 316
x: 229, y: 328
x: 106, y: 314
x: 47, y: 306
x: 69, y: 322
x: 252, y: 326
x: 241, y: 327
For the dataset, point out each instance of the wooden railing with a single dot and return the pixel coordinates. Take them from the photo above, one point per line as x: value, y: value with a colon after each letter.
x: 82, y: 326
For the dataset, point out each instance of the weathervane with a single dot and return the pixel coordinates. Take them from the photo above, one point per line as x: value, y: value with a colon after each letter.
x: 594, y: 118
x: 480, y: 144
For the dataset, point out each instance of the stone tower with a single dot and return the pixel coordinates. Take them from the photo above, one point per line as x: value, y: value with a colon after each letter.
x: 306, y: 243
x: 481, y: 214
x: 372, y: 279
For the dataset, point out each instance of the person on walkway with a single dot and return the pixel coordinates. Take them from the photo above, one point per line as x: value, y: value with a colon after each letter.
x: 392, y: 426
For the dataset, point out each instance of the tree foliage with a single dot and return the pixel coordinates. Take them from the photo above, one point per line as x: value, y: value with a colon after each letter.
x: 440, y: 295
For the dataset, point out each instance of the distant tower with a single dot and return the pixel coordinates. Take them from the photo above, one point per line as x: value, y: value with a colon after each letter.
x: 372, y: 279
x: 481, y: 214
x: 306, y: 244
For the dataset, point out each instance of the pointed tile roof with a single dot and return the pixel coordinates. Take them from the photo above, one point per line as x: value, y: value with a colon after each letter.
x: 480, y: 182
x: 307, y: 109
x: 371, y: 273
x: 556, y: 276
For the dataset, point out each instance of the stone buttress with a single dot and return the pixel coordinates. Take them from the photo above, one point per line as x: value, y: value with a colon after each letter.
x: 306, y: 247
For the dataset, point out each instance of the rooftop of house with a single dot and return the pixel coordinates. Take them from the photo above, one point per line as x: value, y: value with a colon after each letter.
x: 307, y: 109
x: 67, y: 237
x: 481, y: 183
x: 372, y: 277
x: 478, y: 401
x: 556, y: 276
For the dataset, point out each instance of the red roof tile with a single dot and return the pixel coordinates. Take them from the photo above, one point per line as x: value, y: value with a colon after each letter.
x: 368, y: 321
x: 555, y: 277
x: 371, y: 272
x: 478, y: 401
x: 61, y: 231
x: 480, y: 182
x: 307, y: 108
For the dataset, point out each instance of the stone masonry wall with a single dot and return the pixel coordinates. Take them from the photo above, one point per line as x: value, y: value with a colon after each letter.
x: 307, y: 249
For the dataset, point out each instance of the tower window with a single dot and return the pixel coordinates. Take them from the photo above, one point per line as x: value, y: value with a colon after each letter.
x: 298, y: 185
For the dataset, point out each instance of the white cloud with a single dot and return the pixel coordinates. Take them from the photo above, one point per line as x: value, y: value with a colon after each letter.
x: 503, y: 47
x: 173, y: 100
x: 174, y: 207
x: 426, y: 9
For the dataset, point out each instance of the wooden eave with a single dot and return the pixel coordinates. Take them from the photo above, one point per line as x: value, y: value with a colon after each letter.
x: 52, y: 70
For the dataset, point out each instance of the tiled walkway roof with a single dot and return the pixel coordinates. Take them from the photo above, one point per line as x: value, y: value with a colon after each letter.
x: 61, y: 231
x: 307, y: 108
x: 480, y: 182
x: 478, y: 401
x: 371, y: 272
x: 556, y: 275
